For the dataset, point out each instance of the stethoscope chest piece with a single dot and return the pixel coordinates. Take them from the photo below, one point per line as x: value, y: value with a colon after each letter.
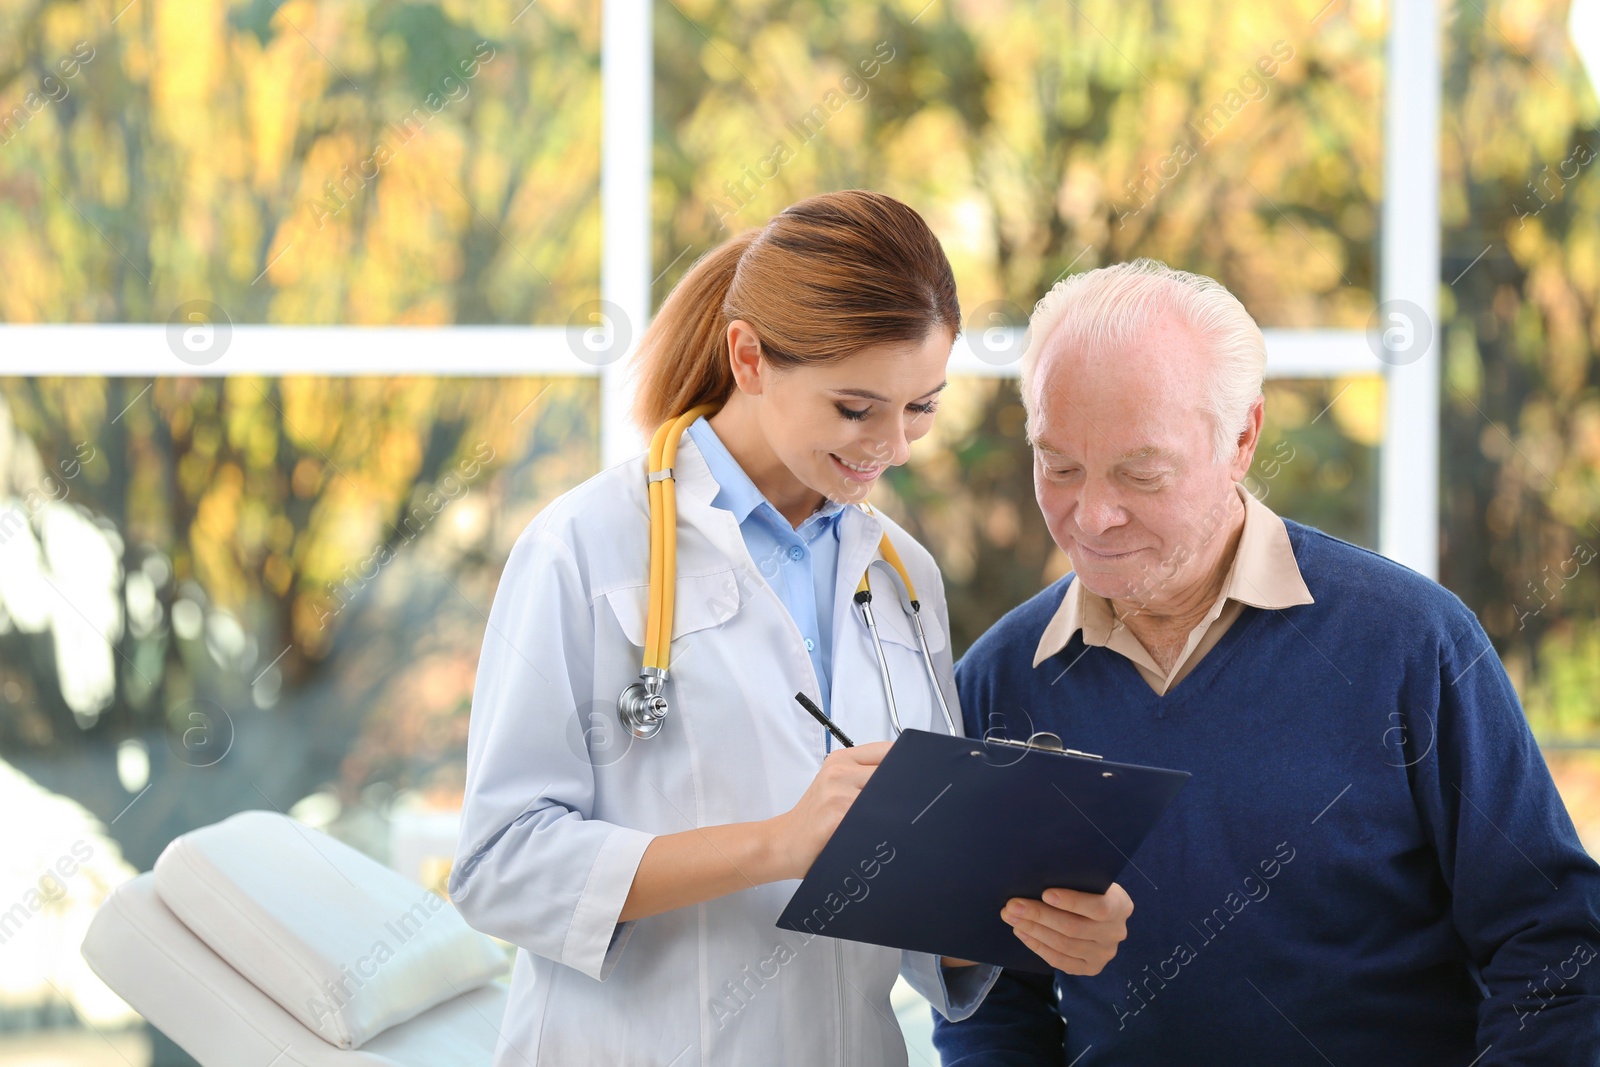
x: 642, y: 707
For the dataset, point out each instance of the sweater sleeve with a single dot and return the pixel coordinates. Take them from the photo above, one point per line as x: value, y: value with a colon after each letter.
x: 1525, y: 896
x: 1017, y: 1025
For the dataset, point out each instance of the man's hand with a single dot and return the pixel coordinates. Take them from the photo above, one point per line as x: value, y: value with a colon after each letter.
x: 1074, y: 932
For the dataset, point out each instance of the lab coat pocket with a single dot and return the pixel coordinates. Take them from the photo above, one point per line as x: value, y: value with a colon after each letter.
x: 895, y: 625
x: 907, y: 669
x: 701, y: 601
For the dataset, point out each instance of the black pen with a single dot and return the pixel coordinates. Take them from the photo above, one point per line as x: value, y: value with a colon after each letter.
x: 821, y: 716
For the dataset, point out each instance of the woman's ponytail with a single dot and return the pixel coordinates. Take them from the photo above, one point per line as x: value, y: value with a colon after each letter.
x: 683, y: 357
x: 822, y: 280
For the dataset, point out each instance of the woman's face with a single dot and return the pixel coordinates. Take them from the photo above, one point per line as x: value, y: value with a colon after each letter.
x: 838, y: 426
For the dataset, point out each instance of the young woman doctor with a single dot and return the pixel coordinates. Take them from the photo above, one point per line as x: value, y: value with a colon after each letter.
x: 641, y: 877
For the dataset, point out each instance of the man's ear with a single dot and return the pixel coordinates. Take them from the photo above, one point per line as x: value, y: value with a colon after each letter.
x: 1249, y: 438
x: 744, y: 356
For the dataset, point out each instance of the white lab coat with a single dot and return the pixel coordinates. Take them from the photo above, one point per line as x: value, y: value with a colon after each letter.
x: 561, y: 801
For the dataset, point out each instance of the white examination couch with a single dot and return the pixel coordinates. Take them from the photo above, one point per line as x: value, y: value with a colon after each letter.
x: 260, y: 942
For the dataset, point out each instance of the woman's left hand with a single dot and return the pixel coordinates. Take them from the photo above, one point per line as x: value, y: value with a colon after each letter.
x: 1074, y: 932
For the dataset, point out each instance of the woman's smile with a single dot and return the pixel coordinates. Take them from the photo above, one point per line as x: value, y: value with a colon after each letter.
x: 864, y: 472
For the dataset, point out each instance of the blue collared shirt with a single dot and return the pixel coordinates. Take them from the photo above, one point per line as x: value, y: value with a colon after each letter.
x: 800, y: 563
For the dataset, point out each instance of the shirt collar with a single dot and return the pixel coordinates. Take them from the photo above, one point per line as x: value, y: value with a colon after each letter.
x: 737, y: 493
x: 1262, y: 574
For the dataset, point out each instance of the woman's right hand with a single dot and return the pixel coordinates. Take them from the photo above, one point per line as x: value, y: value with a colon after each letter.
x: 805, y: 828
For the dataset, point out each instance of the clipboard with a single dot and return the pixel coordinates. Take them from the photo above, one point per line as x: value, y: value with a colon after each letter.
x: 948, y: 829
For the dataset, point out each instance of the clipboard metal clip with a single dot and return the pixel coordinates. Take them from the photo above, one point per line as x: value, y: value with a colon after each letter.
x: 1042, y: 741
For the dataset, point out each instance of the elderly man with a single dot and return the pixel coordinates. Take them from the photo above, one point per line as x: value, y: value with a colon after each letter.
x: 1370, y: 863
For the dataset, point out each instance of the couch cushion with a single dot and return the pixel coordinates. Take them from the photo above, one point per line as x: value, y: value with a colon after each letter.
x: 172, y: 978
x: 342, y: 943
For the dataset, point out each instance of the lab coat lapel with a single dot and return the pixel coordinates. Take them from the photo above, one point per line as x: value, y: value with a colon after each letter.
x: 720, y: 544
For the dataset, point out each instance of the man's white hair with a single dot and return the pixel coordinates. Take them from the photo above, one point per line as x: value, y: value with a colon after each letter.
x: 1112, y: 307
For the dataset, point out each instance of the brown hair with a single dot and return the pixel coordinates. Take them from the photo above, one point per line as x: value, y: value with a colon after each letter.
x: 827, y: 277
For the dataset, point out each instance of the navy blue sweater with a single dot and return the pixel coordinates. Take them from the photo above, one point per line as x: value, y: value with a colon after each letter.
x: 1370, y: 864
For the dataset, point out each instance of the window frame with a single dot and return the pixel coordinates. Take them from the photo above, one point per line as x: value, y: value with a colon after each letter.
x: 1409, y: 265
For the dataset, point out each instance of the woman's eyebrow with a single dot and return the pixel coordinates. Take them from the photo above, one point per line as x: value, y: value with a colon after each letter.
x: 866, y: 394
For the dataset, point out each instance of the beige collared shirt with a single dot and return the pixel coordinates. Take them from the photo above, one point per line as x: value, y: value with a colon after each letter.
x: 1263, y: 574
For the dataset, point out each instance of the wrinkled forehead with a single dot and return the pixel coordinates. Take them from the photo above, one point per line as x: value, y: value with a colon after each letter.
x: 1135, y: 400
x: 1163, y: 348
x: 1082, y: 439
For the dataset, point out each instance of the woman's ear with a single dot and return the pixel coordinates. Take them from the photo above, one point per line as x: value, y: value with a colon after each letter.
x: 744, y: 356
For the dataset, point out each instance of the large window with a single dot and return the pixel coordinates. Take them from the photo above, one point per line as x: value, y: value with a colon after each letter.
x: 309, y: 307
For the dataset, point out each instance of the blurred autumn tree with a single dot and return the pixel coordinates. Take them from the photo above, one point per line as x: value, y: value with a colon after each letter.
x: 308, y: 162
x: 1521, y: 401
x: 1238, y: 140
x: 299, y: 162
x: 308, y: 558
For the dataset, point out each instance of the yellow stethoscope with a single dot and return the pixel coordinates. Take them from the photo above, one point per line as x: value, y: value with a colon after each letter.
x: 643, y: 705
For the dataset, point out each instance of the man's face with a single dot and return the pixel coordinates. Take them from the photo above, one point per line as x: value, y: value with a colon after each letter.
x: 1123, y: 466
